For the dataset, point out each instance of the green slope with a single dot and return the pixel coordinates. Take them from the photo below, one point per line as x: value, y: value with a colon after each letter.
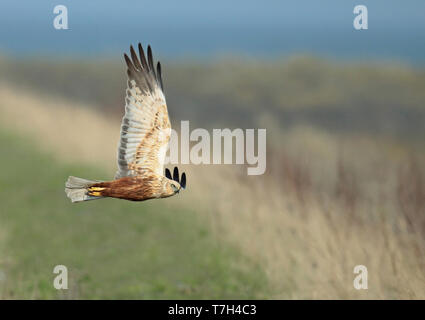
x: 112, y: 248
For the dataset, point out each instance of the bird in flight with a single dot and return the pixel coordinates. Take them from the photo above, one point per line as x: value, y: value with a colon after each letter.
x: 145, y: 134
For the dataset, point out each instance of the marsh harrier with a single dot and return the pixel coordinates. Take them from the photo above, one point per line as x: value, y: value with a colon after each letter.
x: 145, y: 134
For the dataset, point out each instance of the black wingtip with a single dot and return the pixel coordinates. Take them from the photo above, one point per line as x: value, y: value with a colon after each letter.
x: 130, y: 65
x: 183, y: 181
x: 126, y: 58
x: 150, y: 61
x: 143, y: 57
x: 159, y: 75
x: 168, y: 173
x: 176, y: 174
x: 136, y: 61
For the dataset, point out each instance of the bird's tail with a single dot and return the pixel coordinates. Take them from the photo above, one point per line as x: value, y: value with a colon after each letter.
x: 76, y: 189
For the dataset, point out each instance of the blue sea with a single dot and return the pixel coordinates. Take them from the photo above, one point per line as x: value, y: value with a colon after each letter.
x: 201, y: 29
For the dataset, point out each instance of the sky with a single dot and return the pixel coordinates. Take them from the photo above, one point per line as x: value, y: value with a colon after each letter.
x: 189, y: 28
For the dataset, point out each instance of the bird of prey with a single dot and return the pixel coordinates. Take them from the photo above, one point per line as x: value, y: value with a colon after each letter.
x: 145, y: 134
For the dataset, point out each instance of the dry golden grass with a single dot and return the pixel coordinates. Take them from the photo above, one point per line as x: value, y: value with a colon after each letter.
x: 325, y: 205
x: 72, y: 131
x: 323, y: 209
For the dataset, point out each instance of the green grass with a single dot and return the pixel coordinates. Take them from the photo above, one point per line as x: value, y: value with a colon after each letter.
x: 112, y: 248
x: 238, y: 92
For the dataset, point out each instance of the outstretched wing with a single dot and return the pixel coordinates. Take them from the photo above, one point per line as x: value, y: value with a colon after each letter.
x: 145, y: 128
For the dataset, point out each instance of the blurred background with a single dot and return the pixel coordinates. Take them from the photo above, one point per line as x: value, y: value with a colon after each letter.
x: 344, y: 111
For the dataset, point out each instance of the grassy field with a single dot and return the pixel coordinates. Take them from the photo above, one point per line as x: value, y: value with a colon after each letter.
x: 113, y: 249
x: 344, y: 185
x: 384, y: 99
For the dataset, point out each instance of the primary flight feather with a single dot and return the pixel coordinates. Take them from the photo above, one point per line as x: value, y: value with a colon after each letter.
x: 145, y: 134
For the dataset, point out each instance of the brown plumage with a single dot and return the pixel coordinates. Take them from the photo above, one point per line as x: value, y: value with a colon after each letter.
x: 145, y: 134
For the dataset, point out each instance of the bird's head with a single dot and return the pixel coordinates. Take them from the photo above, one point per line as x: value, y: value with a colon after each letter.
x: 172, y: 185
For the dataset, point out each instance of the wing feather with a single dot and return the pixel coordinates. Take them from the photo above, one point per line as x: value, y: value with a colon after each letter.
x: 159, y: 73
x: 145, y: 127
